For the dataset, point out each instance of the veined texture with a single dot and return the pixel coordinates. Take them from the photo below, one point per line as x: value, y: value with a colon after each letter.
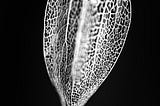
x: 82, y: 41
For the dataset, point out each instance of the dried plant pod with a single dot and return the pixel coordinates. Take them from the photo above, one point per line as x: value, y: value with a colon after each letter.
x: 82, y: 41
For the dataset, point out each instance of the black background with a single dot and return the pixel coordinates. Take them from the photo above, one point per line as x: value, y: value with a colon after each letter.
x: 129, y: 83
